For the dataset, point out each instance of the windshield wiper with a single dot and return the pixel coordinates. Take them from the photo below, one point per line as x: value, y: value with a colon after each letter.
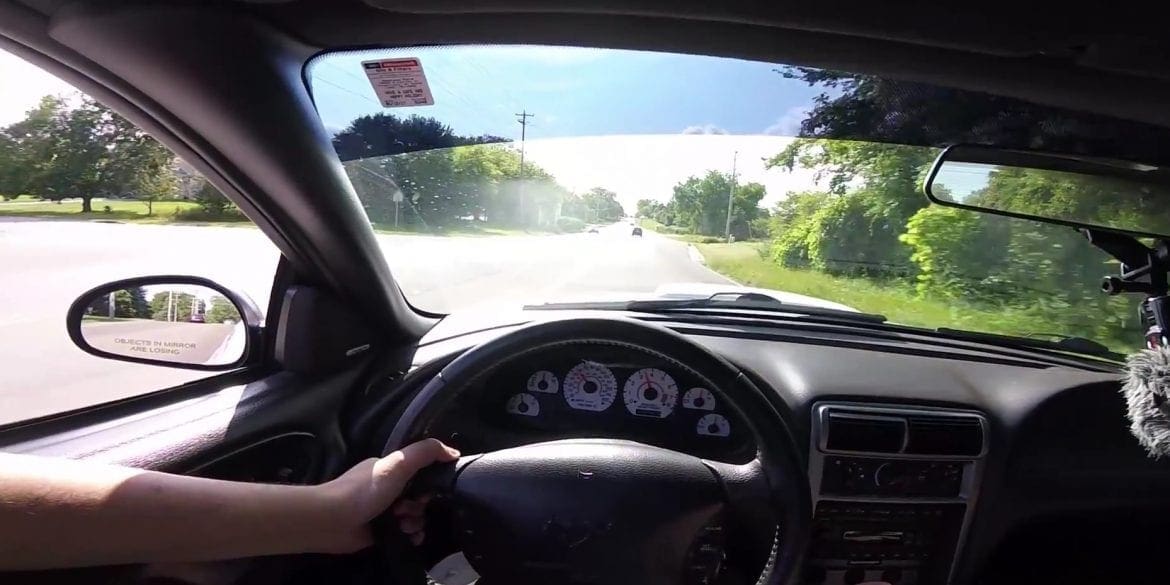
x: 729, y: 300
x: 1058, y: 342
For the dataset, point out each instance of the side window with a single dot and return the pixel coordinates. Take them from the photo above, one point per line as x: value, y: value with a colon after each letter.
x: 87, y: 198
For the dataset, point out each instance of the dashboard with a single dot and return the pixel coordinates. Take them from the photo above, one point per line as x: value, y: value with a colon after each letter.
x: 1033, y: 440
x: 598, y: 389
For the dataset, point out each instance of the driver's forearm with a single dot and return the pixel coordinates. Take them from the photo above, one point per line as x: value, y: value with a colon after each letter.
x: 59, y: 513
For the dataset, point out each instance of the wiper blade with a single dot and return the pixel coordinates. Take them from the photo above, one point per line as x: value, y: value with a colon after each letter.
x: 729, y: 300
x: 1059, y: 343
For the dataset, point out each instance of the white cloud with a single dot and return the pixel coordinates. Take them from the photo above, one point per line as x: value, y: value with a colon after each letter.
x: 789, y: 123
x: 649, y: 166
x: 704, y: 129
x: 22, y: 85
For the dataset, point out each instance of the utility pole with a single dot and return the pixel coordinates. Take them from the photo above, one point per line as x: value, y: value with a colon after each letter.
x: 731, y: 194
x: 523, y: 119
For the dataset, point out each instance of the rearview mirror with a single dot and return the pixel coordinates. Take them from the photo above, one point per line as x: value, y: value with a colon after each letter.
x: 1078, y: 191
x: 179, y: 321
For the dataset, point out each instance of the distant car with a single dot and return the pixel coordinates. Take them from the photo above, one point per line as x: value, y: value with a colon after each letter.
x: 593, y: 230
x: 637, y: 231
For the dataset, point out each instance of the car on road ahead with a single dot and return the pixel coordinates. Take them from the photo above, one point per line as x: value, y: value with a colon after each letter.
x: 865, y: 385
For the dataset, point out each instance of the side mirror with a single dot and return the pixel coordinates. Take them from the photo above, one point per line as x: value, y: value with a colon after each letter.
x: 178, y: 321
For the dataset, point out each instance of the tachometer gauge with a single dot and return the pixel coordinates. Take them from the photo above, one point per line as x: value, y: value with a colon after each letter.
x: 523, y: 404
x: 713, y: 425
x: 543, y: 381
x: 699, y: 399
x: 650, y: 392
x: 590, y: 386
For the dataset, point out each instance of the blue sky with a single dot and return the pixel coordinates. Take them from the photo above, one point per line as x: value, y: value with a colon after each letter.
x: 633, y: 122
x: 574, y: 92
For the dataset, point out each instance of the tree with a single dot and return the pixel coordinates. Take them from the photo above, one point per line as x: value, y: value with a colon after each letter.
x: 596, y: 205
x: 129, y: 303
x: 171, y: 306
x: 385, y: 134
x: 161, y: 186
x: 700, y: 204
x: 82, y: 150
x: 221, y: 310
x: 211, y: 201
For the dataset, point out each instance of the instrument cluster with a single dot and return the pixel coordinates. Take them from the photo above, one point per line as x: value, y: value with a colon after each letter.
x: 597, y: 390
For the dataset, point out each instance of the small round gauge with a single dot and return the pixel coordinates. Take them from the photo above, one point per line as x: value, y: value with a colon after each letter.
x: 650, y: 392
x: 590, y: 386
x: 699, y: 399
x: 523, y: 404
x: 713, y: 425
x: 543, y: 381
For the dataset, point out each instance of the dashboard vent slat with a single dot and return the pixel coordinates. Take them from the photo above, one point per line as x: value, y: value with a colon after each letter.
x: 865, y: 433
x: 944, y: 435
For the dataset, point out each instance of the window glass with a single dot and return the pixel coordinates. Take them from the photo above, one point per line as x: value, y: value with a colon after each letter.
x: 86, y: 198
x: 511, y: 175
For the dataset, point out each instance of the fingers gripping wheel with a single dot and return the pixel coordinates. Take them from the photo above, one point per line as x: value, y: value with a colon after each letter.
x: 604, y: 510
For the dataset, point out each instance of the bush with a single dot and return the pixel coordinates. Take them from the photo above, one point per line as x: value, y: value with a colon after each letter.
x: 710, y: 240
x: 570, y: 224
x: 200, y: 214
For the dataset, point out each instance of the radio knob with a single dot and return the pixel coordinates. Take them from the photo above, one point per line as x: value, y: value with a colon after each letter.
x: 889, y: 475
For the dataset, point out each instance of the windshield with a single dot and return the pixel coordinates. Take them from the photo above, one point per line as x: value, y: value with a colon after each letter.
x: 520, y: 175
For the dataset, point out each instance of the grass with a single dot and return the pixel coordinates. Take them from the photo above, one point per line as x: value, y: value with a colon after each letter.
x: 122, y: 210
x: 459, y: 230
x: 746, y: 262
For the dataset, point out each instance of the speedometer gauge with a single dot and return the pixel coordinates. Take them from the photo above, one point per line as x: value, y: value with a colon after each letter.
x: 699, y: 399
x: 650, y: 392
x: 543, y: 381
x: 590, y: 386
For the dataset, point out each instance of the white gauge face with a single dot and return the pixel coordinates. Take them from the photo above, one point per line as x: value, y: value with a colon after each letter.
x: 713, y: 425
x: 699, y: 399
x: 590, y: 386
x: 543, y: 381
x: 523, y: 404
x: 650, y: 392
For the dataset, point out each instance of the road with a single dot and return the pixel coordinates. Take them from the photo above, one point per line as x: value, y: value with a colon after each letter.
x: 182, y: 342
x: 45, y: 265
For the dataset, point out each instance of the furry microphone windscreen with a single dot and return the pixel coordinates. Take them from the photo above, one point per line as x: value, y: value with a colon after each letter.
x: 1147, y: 395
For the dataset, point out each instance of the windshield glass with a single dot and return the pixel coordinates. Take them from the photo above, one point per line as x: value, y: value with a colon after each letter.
x: 517, y: 175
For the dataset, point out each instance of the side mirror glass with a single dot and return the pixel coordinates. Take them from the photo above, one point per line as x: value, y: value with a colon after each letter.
x: 178, y: 321
x: 1078, y: 191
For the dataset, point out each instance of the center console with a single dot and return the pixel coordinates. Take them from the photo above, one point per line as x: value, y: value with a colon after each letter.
x: 893, y: 489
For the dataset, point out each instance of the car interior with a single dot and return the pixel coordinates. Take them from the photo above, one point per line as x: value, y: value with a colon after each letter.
x: 810, y: 450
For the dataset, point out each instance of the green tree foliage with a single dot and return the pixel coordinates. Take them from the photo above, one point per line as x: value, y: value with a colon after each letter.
x: 211, y: 201
x: 699, y: 204
x: 598, y: 205
x: 171, y: 306
x: 221, y: 310
x: 84, y: 150
x: 129, y: 303
x: 386, y: 134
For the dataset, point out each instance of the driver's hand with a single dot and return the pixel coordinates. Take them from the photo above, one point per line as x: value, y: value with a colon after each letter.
x: 370, y: 487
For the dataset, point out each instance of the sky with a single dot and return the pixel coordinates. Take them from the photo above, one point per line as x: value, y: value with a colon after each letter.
x: 22, y: 85
x: 633, y: 122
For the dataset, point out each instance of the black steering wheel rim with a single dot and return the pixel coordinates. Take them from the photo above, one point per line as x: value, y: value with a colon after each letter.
x: 778, y: 461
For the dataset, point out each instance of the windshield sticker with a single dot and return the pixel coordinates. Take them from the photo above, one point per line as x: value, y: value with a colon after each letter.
x: 399, y: 83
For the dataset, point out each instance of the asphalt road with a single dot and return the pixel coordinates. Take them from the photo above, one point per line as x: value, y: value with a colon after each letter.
x: 178, y: 341
x: 45, y: 265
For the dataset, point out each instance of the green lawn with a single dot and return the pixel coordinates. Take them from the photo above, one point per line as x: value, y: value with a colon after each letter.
x: 745, y: 263
x: 120, y: 210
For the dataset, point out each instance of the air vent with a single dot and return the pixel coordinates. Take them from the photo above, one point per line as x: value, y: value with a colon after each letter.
x: 944, y: 435
x: 847, y: 431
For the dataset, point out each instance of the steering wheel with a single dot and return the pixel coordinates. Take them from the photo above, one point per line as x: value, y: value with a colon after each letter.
x: 607, y: 511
